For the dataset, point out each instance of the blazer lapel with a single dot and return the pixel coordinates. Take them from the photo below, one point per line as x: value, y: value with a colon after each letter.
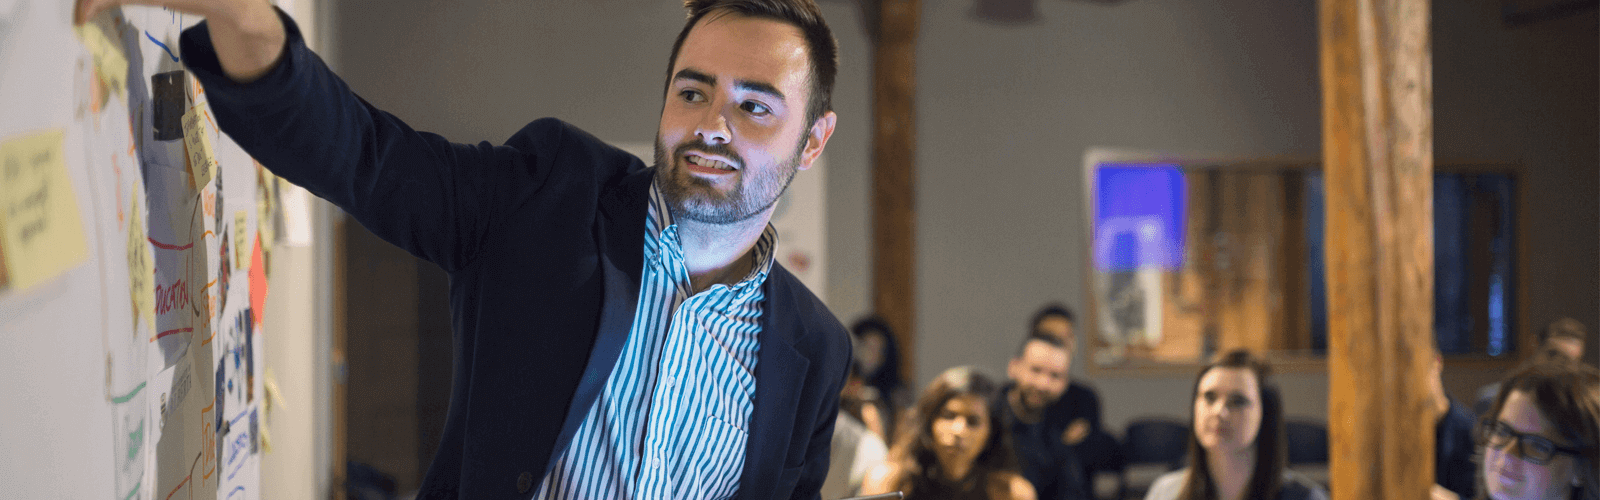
x: 624, y: 208
x: 779, y: 371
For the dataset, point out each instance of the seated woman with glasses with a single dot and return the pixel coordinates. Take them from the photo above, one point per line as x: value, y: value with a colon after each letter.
x: 1236, y: 439
x: 1541, y: 436
x: 950, y: 447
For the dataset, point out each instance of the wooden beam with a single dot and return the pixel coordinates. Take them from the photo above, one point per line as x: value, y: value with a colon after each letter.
x: 894, y: 141
x: 1378, y: 152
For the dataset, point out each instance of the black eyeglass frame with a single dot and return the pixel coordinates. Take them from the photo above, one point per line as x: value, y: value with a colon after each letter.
x: 1490, y: 429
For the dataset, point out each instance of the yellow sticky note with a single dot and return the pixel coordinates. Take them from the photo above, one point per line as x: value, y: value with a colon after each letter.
x: 197, y: 145
x: 99, y: 36
x: 240, y: 220
x: 141, y: 267
x: 41, y: 234
x: 266, y: 205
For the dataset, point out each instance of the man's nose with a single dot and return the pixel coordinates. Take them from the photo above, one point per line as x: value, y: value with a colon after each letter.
x: 713, y: 127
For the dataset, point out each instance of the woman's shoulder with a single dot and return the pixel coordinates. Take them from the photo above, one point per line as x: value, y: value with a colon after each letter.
x: 1167, y: 486
x: 1299, y: 487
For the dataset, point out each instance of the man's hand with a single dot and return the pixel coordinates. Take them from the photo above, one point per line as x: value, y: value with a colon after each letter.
x: 247, y: 34
x: 1076, y: 432
x: 1440, y: 493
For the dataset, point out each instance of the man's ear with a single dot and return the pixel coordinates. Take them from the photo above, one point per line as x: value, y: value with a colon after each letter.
x: 817, y: 138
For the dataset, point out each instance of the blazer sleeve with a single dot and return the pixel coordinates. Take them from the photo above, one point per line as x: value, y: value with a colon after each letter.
x: 815, y: 470
x: 434, y: 198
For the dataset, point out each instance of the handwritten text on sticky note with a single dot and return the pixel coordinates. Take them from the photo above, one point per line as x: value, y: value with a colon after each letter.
x: 197, y: 143
x: 41, y: 234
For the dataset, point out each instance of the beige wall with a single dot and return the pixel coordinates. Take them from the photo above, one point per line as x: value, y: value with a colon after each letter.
x: 1004, y: 116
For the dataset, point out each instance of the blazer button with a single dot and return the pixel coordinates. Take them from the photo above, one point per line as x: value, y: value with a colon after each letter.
x: 524, y: 482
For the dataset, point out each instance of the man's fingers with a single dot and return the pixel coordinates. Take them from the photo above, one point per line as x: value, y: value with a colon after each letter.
x: 85, y: 9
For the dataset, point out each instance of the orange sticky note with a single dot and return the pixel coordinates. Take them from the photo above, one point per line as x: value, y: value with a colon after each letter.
x: 258, y: 282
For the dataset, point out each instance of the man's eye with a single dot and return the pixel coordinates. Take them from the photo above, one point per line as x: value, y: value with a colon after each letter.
x: 692, y: 96
x: 755, y: 108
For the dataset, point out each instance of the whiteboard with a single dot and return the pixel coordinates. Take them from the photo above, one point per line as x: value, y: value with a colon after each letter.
x: 135, y: 245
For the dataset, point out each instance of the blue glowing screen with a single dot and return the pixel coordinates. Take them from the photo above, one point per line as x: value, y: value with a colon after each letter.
x: 1138, y: 218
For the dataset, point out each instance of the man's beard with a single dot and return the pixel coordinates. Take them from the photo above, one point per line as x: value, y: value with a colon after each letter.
x: 1034, y: 400
x: 692, y: 198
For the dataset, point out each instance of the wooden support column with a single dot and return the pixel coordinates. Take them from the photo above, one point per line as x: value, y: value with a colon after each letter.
x: 1378, y: 151
x: 894, y: 141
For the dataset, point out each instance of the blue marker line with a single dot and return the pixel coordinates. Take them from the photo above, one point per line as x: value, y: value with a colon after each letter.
x: 162, y: 45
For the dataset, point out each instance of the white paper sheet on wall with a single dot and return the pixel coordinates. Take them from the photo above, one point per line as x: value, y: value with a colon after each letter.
x: 128, y: 314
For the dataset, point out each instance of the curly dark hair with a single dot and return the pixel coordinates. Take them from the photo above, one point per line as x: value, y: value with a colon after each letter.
x: 913, y: 449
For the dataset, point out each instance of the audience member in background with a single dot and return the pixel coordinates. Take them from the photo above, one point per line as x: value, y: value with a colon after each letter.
x: 1453, y: 446
x: 1236, y: 440
x: 1541, y: 436
x: 879, y: 355
x: 950, y: 447
x: 861, y: 402
x: 1094, y: 448
x: 1561, y: 339
x: 1038, y: 377
x: 858, y: 443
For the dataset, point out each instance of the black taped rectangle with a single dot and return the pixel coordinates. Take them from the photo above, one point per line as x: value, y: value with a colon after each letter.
x: 168, y: 101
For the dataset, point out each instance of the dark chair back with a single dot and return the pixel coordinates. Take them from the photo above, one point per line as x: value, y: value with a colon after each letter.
x: 1158, y: 441
x: 1150, y: 447
x: 1308, y: 441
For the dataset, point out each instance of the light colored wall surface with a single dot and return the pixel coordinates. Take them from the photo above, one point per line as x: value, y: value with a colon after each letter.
x: 1004, y: 116
x: 297, y: 319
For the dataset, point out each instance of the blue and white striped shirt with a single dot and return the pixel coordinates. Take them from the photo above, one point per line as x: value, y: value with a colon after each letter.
x: 674, y: 416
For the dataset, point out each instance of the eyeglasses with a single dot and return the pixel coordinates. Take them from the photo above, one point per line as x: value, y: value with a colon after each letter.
x: 1534, y: 449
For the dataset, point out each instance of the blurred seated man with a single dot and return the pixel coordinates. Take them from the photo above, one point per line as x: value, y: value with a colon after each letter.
x: 1562, y: 339
x: 1079, y: 406
x: 858, y: 441
x: 1038, y: 378
x: 1452, y: 439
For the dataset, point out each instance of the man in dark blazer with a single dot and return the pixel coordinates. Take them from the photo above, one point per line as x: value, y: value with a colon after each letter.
x: 552, y: 238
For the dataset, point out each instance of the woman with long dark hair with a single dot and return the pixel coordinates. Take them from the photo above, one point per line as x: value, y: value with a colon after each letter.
x: 1236, y: 439
x: 1541, y: 436
x: 951, y: 448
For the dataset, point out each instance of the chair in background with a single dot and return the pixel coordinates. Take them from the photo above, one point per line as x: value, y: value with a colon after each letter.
x: 1308, y: 448
x: 1150, y: 447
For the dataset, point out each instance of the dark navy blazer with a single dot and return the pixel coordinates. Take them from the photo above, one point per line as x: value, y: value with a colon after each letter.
x: 543, y: 240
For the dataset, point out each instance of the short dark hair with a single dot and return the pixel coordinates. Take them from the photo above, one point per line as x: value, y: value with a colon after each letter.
x: 1568, y: 395
x: 1563, y: 328
x: 1052, y: 309
x: 1052, y: 340
x: 803, y: 14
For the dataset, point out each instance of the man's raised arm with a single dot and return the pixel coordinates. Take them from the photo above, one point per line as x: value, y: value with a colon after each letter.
x: 248, y: 36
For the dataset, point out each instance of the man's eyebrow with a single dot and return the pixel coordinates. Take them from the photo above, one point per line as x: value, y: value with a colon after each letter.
x: 761, y: 87
x: 746, y: 85
x: 689, y: 74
